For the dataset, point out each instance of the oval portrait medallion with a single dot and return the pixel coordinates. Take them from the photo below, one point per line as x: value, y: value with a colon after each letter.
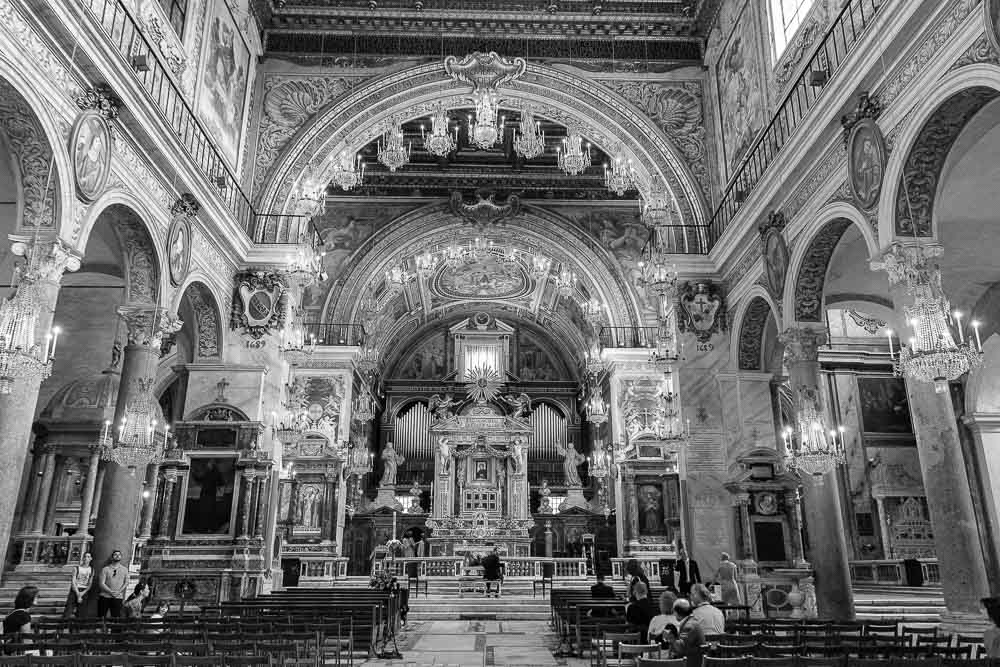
x: 483, y: 278
x: 90, y: 151
x: 179, y: 249
x: 865, y: 163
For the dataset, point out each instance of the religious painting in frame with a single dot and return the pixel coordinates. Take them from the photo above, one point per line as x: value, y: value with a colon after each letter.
x: 179, y: 249
x: 90, y: 150
x: 208, y: 496
x: 991, y: 12
x: 885, y: 409
x: 774, y: 249
x: 222, y: 90
x: 740, y: 89
x: 865, y: 163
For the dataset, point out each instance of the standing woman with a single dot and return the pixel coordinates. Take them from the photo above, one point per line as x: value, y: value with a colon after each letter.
x: 19, y: 620
x: 726, y: 576
x: 79, y: 586
x: 633, y: 569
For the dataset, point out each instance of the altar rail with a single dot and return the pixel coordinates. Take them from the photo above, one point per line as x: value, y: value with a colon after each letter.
x: 892, y: 572
x: 651, y: 566
x: 36, y: 551
x: 321, y: 569
x: 514, y: 566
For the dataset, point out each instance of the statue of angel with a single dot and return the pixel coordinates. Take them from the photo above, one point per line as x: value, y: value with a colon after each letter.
x: 441, y: 407
x: 571, y: 459
x: 521, y: 404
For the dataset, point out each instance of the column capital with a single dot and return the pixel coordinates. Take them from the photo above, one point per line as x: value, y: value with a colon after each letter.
x: 47, y: 259
x: 802, y: 343
x: 148, y: 324
x: 741, y: 499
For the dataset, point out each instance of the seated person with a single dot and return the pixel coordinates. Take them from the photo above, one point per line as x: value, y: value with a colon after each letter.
x: 663, y: 627
x: 601, y: 590
x: 691, y: 637
x: 492, y: 571
x: 640, y: 612
x: 710, y: 617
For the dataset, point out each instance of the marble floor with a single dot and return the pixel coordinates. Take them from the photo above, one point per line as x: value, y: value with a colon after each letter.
x: 477, y: 644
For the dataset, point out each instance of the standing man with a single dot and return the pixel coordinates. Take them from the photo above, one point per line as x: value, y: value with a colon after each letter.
x: 687, y: 572
x: 492, y: 572
x: 112, y: 584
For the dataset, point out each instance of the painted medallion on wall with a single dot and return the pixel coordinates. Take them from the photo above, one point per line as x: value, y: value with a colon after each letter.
x: 483, y: 277
x: 775, y: 252
x: 179, y: 238
x: 866, y: 154
x: 991, y: 9
x: 90, y: 150
x: 223, y: 89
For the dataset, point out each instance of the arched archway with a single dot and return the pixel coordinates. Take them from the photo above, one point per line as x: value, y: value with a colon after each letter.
x: 756, y: 318
x: 202, y: 316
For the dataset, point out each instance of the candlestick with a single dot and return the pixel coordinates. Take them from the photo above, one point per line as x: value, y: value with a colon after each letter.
x: 913, y: 344
x: 888, y: 333
x: 394, y: 524
x: 979, y: 343
x: 958, y: 325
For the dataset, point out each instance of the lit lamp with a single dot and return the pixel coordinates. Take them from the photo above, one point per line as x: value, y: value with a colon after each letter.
x: 483, y: 130
x: 22, y: 357
x: 573, y: 157
x: 349, y: 171
x: 439, y: 142
x: 619, y: 176
x: 809, y: 446
x: 140, y: 439
x: 597, y: 409
x: 529, y: 140
x: 392, y: 150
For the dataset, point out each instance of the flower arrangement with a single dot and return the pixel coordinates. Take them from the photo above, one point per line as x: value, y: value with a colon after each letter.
x: 394, y: 547
x: 381, y: 580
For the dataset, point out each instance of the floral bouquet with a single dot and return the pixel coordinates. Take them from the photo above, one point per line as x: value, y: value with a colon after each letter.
x: 381, y: 580
x: 394, y: 547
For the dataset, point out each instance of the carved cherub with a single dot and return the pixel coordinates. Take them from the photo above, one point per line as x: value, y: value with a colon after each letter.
x: 521, y: 404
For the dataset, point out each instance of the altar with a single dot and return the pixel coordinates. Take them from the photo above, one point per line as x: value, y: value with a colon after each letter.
x: 480, y: 489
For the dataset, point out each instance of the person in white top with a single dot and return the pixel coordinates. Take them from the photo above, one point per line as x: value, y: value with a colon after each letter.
x: 79, y: 586
x: 663, y: 627
x: 710, y: 618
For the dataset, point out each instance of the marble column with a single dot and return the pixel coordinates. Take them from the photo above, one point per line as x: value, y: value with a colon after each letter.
x: 883, y: 527
x: 121, y: 495
x: 153, y: 477
x: 258, y: 530
x: 45, y: 490
x: 985, y: 430
x: 89, y: 486
x: 743, y: 511
x: 824, y: 516
x: 33, y: 483
x: 48, y: 260
x: 98, y: 490
x: 800, y: 548
x: 166, y: 505
x: 249, y: 474
x: 942, y: 463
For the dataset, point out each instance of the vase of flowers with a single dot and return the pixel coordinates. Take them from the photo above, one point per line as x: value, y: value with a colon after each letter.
x: 382, y: 580
x: 393, y: 547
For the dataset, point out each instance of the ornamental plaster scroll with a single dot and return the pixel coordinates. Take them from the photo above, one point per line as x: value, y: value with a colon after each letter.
x: 812, y: 272
x: 535, y: 229
x: 678, y: 110
x: 752, y: 335
x: 980, y: 52
x: 919, y: 182
x: 24, y: 32
x: 288, y: 103
x: 612, y: 121
x: 141, y: 269
x: 32, y: 155
x: 206, y: 319
x: 198, y: 11
x: 147, y: 324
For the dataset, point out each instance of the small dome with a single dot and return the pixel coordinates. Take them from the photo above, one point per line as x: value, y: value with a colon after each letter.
x: 88, y: 400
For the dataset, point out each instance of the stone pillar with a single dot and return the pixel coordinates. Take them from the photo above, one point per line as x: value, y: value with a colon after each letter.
x: 120, y: 497
x: 823, y: 514
x: 800, y: 548
x: 33, y: 482
x: 258, y: 530
x: 743, y: 511
x: 89, y: 486
x: 249, y: 474
x: 166, y: 507
x: 942, y: 464
x: 146, y: 527
x: 548, y: 539
x: 47, y: 260
x: 98, y: 490
x: 45, y: 489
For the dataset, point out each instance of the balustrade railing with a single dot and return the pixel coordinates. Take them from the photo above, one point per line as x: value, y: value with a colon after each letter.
x: 514, y: 566
x: 892, y: 572
x: 335, y: 333
x: 321, y: 569
x: 46, y: 550
x: 828, y: 58
x: 627, y: 336
x: 651, y: 566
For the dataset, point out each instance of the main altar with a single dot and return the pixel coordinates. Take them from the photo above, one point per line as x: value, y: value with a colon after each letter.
x: 480, y: 489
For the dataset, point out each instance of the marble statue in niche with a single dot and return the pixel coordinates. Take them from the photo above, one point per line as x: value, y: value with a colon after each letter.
x: 651, y: 510
x: 572, y: 459
x: 391, y: 460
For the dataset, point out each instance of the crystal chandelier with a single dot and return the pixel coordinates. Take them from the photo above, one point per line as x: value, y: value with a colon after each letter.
x: 593, y: 361
x: 294, y: 339
x: 397, y: 277
x: 619, y: 176
x: 483, y: 127
x: 529, y: 140
x: 600, y: 463
x: 566, y: 282
x: 593, y: 312
x: 662, y: 354
x: 305, y: 265
x: 367, y: 359
x: 439, y: 142
x: 364, y: 407
x: 427, y: 264
x: 138, y: 441
x: 540, y: 266
x: 932, y: 354
x: 454, y: 256
x: 22, y: 356
x: 597, y: 409
x: 656, y: 275
x: 809, y: 448
x: 349, y: 172
x: 572, y: 157
x: 657, y: 210
x: 312, y: 194
x: 392, y: 152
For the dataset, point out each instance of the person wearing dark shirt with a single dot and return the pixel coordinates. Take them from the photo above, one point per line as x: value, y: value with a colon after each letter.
x: 19, y: 620
x: 687, y: 572
x: 641, y: 612
x: 633, y: 569
x: 601, y: 590
x: 691, y: 637
x: 492, y: 572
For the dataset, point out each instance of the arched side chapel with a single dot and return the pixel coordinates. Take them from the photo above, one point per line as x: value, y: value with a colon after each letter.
x: 376, y: 354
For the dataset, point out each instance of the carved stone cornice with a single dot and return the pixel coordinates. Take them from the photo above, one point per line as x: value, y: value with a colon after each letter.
x: 47, y: 259
x: 147, y: 324
x: 185, y: 205
x: 101, y: 100
x: 802, y: 344
x: 484, y: 212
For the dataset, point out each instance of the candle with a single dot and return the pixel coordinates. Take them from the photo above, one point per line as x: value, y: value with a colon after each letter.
x: 913, y: 344
x: 958, y: 325
x: 979, y: 343
x: 55, y: 338
x: 394, y: 524
x: 888, y: 333
x: 841, y: 429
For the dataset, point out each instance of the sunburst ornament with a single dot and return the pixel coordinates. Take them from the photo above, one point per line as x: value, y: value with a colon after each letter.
x: 483, y: 385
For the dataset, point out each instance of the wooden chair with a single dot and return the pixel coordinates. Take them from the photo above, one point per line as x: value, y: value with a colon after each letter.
x: 661, y: 662
x: 915, y: 662
x: 608, y: 644
x: 915, y: 632
x: 247, y: 661
x: 735, y: 650
x: 413, y: 579
x: 827, y: 661
x: 134, y: 660
x: 14, y: 660
x: 197, y: 660
x: 548, y: 574
x: 711, y: 661
x: 53, y: 660
x: 782, y: 661
x: 628, y: 654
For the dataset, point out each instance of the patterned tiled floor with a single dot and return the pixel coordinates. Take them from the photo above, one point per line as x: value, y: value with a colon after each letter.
x: 477, y: 644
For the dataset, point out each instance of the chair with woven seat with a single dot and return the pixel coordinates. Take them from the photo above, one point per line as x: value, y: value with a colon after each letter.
x: 548, y: 574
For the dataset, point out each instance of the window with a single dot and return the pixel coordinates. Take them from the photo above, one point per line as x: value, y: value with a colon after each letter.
x: 175, y: 10
x: 786, y: 17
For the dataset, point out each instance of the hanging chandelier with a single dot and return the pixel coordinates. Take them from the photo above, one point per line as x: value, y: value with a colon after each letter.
x: 656, y: 274
x: 485, y: 126
x: 566, y: 281
x: 662, y: 353
x: 367, y: 359
x: 305, y: 265
x: 932, y: 354
x: 363, y: 409
x: 397, y: 277
x: 597, y: 409
x: 22, y: 356
x: 454, y: 256
x: 349, y: 172
x: 529, y: 140
x: 393, y: 152
x: 138, y: 441
x: 593, y: 312
x: 593, y: 361
x: 427, y: 264
x: 295, y: 339
x: 619, y: 176
x: 540, y: 266
x: 439, y: 142
x: 809, y: 447
x: 657, y: 210
x: 572, y: 157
